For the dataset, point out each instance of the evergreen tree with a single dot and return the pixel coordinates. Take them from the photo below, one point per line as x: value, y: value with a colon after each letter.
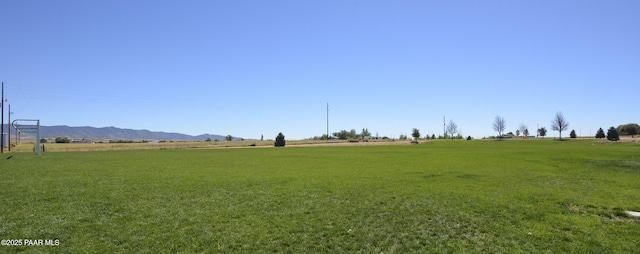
x: 600, y: 133
x: 415, y: 133
x: 573, y: 134
x: 612, y: 134
x: 279, y: 140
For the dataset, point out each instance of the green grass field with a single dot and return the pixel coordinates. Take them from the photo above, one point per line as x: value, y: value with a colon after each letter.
x: 442, y: 196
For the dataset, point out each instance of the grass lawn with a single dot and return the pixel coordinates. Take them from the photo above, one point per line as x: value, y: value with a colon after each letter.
x: 442, y: 196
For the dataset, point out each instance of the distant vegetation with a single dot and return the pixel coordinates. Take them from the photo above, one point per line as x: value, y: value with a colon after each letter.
x: 120, y: 141
x: 279, y: 140
x: 631, y: 129
x: 62, y: 140
x: 612, y: 134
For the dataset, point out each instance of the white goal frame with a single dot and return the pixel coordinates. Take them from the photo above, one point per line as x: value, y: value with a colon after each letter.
x: 19, y: 126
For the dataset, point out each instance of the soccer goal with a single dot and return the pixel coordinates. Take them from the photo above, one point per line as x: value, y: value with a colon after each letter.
x: 29, y: 125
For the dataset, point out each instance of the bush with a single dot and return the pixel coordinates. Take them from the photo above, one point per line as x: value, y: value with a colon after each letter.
x: 600, y: 133
x: 62, y: 140
x: 279, y: 140
x: 612, y: 134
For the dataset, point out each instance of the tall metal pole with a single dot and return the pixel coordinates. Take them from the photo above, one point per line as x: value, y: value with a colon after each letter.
x: 2, y: 124
x: 38, y: 140
x: 9, y: 127
x: 327, y: 121
x: 444, y: 132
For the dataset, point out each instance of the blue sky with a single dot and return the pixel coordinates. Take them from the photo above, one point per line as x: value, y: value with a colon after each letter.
x: 251, y: 68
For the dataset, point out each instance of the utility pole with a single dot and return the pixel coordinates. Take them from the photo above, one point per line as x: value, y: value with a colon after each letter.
x: 2, y: 127
x: 327, y: 121
x: 444, y: 132
x: 9, y: 127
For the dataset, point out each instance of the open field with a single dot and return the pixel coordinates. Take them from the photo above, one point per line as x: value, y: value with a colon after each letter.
x: 442, y: 196
x: 76, y: 147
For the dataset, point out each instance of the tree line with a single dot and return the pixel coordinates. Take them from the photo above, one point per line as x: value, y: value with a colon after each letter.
x: 559, y: 123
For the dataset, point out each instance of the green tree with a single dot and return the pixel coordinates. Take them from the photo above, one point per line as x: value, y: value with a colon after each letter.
x: 352, y: 134
x: 62, y: 140
x: 573, y: 134
x: 629, y: 129
x: 228, y: 138
x: 342, y: 135
x: 612, y: 134
x: 365, y: 133
x: 279, y: 140
x: 526, y: 133
x: 600, y: 133
x: 43, y: 140
x: 415, y: 133
x: 522, y: 128
x: 542, y: 132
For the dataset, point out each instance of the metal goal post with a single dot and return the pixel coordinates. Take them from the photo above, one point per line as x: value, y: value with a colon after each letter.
x: 29, y: 124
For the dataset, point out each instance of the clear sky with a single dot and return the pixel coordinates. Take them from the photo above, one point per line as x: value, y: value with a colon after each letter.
x: 251, y: 68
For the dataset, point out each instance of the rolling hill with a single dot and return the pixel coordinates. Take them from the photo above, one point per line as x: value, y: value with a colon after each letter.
x: 113, y: 133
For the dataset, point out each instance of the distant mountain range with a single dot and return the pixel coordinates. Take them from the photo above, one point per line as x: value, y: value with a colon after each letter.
x: 112, y: 133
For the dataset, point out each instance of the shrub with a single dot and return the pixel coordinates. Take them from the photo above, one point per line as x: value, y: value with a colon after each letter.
x: 279, y: 140
x: 62, y: 140
x: 612, y: 134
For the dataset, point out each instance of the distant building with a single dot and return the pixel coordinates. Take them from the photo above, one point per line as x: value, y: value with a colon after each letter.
x: 82, y: 141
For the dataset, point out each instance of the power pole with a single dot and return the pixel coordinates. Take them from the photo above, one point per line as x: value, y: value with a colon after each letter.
x: 327, y: 121
x: 9, y: 131
x: 2, y: 127
x: 444, y: 132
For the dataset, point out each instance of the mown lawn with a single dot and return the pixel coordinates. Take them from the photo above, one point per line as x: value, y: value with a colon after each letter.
x: 443, y: 196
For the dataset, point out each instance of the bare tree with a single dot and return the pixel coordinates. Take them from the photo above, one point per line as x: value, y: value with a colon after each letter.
x: 499, y: 125
x: 452, y: 128
x: 522, y: 128
x: 559, y: 123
